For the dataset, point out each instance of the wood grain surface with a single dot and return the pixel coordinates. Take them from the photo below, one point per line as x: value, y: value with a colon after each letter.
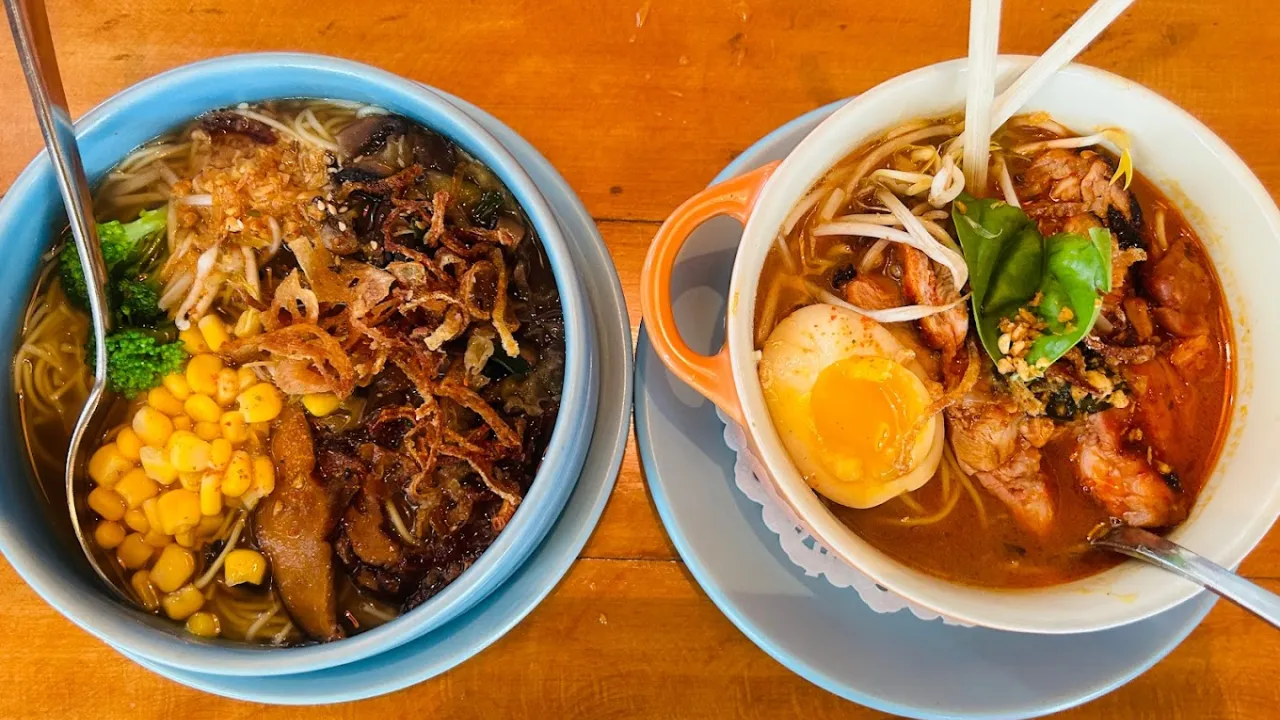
x: 639, y: 103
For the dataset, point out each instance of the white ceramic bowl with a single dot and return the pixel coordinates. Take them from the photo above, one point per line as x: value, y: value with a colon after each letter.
x: 1229, y: 209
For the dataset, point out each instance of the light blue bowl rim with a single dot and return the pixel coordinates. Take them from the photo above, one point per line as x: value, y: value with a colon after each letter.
x: 707, y: 580
x: 306, y: 75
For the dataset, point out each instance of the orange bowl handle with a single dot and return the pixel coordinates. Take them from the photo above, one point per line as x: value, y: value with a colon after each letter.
x: 710, y: 375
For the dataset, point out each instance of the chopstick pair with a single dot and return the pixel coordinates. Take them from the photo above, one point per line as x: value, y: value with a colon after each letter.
x: 984, y: 111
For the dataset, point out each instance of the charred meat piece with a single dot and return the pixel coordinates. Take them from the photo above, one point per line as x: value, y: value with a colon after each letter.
x: 923, y: 284
x: 1120, y: 478
x: 228, y: 122
x: 1181, y: 288
x: 1000, y: 446
x: 1066, y: 176
x: 292, y: 527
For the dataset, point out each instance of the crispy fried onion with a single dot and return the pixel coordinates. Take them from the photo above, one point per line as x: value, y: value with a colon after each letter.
x: 302, y: 358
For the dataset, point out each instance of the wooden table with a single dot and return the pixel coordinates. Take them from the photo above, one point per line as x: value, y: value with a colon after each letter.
x: 639, y: 104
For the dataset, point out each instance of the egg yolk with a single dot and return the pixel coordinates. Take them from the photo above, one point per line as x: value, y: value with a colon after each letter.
x: 863, y: 410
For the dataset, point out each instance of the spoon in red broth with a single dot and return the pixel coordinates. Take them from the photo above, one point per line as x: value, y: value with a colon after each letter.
x: 30, y: 26
x: 1155, y: 550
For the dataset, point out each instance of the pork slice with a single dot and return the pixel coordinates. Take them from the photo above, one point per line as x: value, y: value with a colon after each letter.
x: 293, y: 526
x: 1121, y: 479
x: 1000, y: 446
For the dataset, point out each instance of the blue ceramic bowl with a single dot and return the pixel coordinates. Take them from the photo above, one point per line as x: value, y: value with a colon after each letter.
x: 31, y: 212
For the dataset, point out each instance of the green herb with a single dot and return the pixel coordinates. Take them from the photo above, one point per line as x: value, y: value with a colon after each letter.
x: 1010, y: 262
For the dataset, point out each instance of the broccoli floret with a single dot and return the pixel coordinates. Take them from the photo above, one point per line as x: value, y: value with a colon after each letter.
x: 137, y: 360
x: 126, y: 248
x: 136, y: 304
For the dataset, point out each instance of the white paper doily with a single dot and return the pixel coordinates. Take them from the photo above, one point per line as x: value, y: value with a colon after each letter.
x: 800, y: 546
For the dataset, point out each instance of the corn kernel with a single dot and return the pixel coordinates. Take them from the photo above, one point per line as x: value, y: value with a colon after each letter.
x: 182, y: 603
x: 214, y: 331
x: 207, y: 431
x: 248, y: 324
x: 107, y: 464
x: 186, y: 539
x: 134, y: 552
x: 264, y: 475
x: 261, y: 429
x: 108, y: 503
x: 190, y: 480
x: 220, y: 450
x: 204, y: 624
x: 156, y: 539
x: 202, y: 373
x: 151, y: 509
x: 203, y: 408
x: 320, y: 404
x: 188, y: 453
x: 182, y: 422
x: 209, y: 525
x: 136, y: 487
x: 108, y: 534
x: 152, y: 426
x: 260, y: 403
x: 166, y: 402
x: 211, y: 494
x: 179, y: 510
x: 173, y: 568
x: 244, y: 566
x: 145, y: 590
x: 176, y: 384
x: 193, y: 341
x: 128, y: 443
x: 137, y: 521
x: 228, y: 387
x: 246, y: 378
x: 239, y: 474
x: 155, y: 463
x: 234, y: 428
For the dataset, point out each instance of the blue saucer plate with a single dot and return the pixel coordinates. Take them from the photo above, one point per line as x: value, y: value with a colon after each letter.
x: 891, y: 662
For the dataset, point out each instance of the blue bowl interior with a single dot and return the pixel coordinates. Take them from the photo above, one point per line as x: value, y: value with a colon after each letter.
x: 31, y: 212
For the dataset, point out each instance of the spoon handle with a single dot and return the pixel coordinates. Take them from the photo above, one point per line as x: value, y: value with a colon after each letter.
x: 1154, y: 549
x: 30, y: 26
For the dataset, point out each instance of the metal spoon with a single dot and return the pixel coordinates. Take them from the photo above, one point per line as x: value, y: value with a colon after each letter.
x: 1152, y: 548
x: 30, y: 25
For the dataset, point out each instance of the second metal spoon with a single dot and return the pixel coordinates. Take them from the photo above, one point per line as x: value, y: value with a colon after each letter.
x: 1153, y: 549
x: 30, y: 26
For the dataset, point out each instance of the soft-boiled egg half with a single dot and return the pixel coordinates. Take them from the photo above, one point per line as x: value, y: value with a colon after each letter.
x: 847, y: 398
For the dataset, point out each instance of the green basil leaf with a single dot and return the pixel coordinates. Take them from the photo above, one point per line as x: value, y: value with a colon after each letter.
x: 1010, y: 262
x: 1077, y: 273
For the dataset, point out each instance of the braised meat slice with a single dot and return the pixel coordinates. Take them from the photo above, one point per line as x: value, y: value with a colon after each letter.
x: 293, y: 526
x: 1120, y: 478
x: 925, y: 284
x: 1000, y: 446
x: 1076, y: 181
x: 1181, y: 287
